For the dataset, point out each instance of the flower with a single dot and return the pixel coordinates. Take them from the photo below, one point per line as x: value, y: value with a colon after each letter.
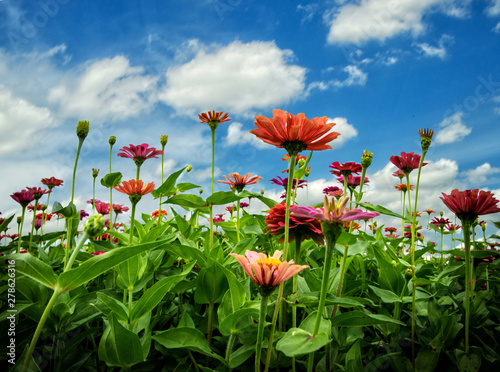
x: 428, y: 211
x: 425, y: 138
x: 102, y: 208
x: 406, y: 162
x: 244, y: 205
x: 294, y: 133
x: 163, y: 140
x: 399, y: 173
x: 303, y: 227
x: 37, y: 224
x: 353, y: 181
x: 119, y: 208
x: 333, y: 191
x: 135, y: 187
x: 451, y: 227
x: 345, y: 169
x: 38, y: 192
x: 390, y: 230
x: 333, y: 212
x: 83, y: 214
x: 139, y: 153
x: 156, y: 213
x: 92, y: 201
x: 52, y: 182
x: 218, y: 218
x: 213, y: 119
x: 97, y: 253
x: 469, y: 204
x: 238, y: 181
x: 95, y: 172
x: 267, y: 272
x: 39, y: 207
x: 23, y: 197
x: 284, y: 182
x: 366, y: 158
x: 440, y: 222
x: 403, y: 187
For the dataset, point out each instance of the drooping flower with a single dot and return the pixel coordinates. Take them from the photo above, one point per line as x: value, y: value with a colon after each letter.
x: 353, y: 181
x: 38, y: 192
x: 295, y: 133
x: 238, y: 182
x: 284, y: 182
x: 332, y: 212
x: 399, y: 173
x: 139, y: 153
x: 23, y: 197
x: 403, y: 187
x: 119, y: 208
x: 303, y: 227
x: 52, y: 182
x: 213, y: 118
x: 156, y: 213
x: 345, y: 169
x: 469, y: 204
x: 440, y: 222
x: 267, y: 272
x: 135, y: 187
x: 407, y: 162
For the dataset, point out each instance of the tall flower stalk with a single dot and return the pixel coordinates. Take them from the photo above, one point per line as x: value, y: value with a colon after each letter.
x: 111, y: 141
x: 23, y: 197
x: 163, y: 142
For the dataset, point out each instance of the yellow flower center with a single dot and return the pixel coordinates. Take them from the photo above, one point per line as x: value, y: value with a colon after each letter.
x: 270, y: 262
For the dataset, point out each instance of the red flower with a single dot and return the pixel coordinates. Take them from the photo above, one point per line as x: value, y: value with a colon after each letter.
x: 403, y: 187
x: 469, y: 204
x: 440, y: 222
x: 345, y: 169
x: 38, y: 192
x: 303, y: 227
x: 134, y: 187
x: 399, y: 173
x: 119, y: 208
x: 353, y: 181
x: 102, y: 208
x: 406, y: 162
x: 156, y: 213
x: 295, y: 133
x: 52, y: 182
x: 239, y: 182
x: 139, y: 153
x: 23, y: 197
x: 213, y: 119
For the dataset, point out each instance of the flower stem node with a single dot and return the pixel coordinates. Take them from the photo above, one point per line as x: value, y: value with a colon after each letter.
x: 94, y: 225
x: 82, y: 129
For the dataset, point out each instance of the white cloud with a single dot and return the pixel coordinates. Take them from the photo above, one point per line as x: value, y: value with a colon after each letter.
x: 241, y: 76
x: 438, y: 51
x: 494, y: 8
x: 481, y: 173
x: 16, y: 113
x: 237, y: 136
x: 496, y: 28
x: 356, y: 77
x: 346, y: 130
x: 200, y: 175
x: 453, y: 130
x: 309, y: 11
x: 378, y: 19
x: 106, y: 89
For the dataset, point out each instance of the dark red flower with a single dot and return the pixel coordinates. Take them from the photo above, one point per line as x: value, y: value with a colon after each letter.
x: 345, y: 169
x: 406, y: 162
x: 469, y: 204
x: 52, y: 182
x: 23, y: 197
x: 440, y: 222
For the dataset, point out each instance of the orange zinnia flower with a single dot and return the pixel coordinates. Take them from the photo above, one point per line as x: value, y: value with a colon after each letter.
x: 213, y: 119
x: 239, y: 182
x: 403, y: 187
x: 295, y: 133
x: 134, y: 187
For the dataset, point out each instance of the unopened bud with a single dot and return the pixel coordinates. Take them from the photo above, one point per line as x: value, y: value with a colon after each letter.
x: 112, y: 140
x: 94, y: 225
x: 301, y: 163
x: 82, y: 129
x: 95, y: 172
x: 366, y: 158
x: 189, y: 168
x: 201, y: 191
x: 262, y: 191
x: 163, y: 140
x: 425, y: 138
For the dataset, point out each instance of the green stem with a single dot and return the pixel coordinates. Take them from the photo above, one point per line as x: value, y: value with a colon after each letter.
x: 111, y: 224
x: 130, y: 299
x: 238, y: 222
x: 33, y: 225
x: 80, y: 143
x: 93, y: 196
x: 44, y: 215
x: 132, y: 221
x: 343, y: 265
x: 213, y: 159
x: 79, y: 246
x: 229, y: 347
x: 442, y: 247
x: 138, y: 172
x: 298, y: 241
x: 19, y: 238
x: 260, y: 331
x: 466, y: 232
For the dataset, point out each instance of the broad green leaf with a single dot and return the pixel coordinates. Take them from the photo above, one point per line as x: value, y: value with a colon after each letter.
x: 211, y: 285
x: 187, y: 201
x: 120, y: 347
x: 35, y: 269
x: 185, y: 186
x: 68, y: 211
x: 132, y: 270
x: 299, y: 342
x: 311, y: 299
x: 347, y: 239
x: 155, y: 294
x: 109, y: 305
x: 168, y: 187
x: 4, y: 224
x: 236, y: 289
x: 186, y: 338
x: 111, y: 179
x: 241, y: 355
x: 353, y: 358
x: 222, y: 197
x: 381, y: 210
x: 325, y: 326
x: 357, y: 318
x: 385, y: 295
x: 238, y: 320
x: 97, y: 265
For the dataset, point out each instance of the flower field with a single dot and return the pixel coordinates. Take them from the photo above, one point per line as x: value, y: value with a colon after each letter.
x: 294, y: 288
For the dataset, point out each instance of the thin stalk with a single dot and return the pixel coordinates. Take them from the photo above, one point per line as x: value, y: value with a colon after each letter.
x: 343, y: 265
x: 238, y: 222
x: 442, y: 248
x: 211, y: 239
x: 111, y: 224
x: 260, y: 331
x: 298, y: 241
x: 132, y: 221
x: 93, y: 196
x: 44, y: 215
x: 466, y: 232
x: 229, y: 347
x: 23, y: 212
x: 138, y: 172
x: 33, y: 225
x: 160, y: 216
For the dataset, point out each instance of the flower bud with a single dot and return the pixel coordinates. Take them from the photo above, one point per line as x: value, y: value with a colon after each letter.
x: 95, y: 172
x: 425, y: 138
x: 301, y: 163
x: 163, y: 140
x: 261, y: 191
x: 112, y: 140
x: 82, y: 129
x: 19, y: 220
x: 201, y: 191
x: 366, y: 158
x: 94, y: 225
x: 189, y: 168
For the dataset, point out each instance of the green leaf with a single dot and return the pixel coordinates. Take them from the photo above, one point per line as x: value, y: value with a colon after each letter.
x: 111, y: 179
x: 299, y: 342
x: 238, y: 320
x: 185, y: 186
x: 4, y: 224
x: 381, y: 210
x: 222, y: 197
x: 357, y: 318
x: 268, y: 202
x: 385, y: 295
x: 132, y: 270
x: 187, y: 201
x: 347, y: 239
x: 68, y: 211
x: 35, y: 269
x: 186, y: 338
x: 109, y: 305
x: 238, y: 296
x: 311, y: 299
x: 155, y: 294
x: 353, y: 358
x: 211, y: 285
x: 97, y: 265
x: 168, y: 187
x: 120, y: 347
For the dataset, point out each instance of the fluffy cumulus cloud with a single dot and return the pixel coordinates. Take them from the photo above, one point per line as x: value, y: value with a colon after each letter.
x: 106, y: 89
x: 346, y: 130
x: 239, y: 76
x: 453, y: 130
x: 481, y: 173
x: 438, y: 51
x: 237, y: 136
x: 378, y: 19
x: 15, y: 113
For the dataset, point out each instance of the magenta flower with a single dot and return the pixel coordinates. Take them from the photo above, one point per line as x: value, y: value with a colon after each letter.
x: 102, y: 208
x: 345, y: 169
x: 333, y: 212
x: 267, y: 271
x: 469, y: 204
x: 52, y: 182
x: 406, y: 162
x: 284, y: 182
x: 139, y: 153
x: 83, y: 214
x: 91, y: 201
x: 244, y: 205
x: 238, y: 182
x: 38, y: 192
x: 440, y: 222
x: 352, y: 181
x: 98, y: 253
x: 23, y: 197
x: 120, y: 208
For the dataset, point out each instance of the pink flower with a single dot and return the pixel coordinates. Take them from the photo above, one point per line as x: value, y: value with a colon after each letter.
x: 38, y: 192
x: 23, y: 197
x: 102, y: 208
x: 267, y: 271
x: 345, y: 169
x: 139, y: 153
x: 353, y: 181
x: 469, y: 204
x: 238, y: 181
x: 119, y: 208
x: 284, y: 182
x: 406, y: 162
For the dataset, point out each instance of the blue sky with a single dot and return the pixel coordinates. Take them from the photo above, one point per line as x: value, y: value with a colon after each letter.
x: 380, y: 69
